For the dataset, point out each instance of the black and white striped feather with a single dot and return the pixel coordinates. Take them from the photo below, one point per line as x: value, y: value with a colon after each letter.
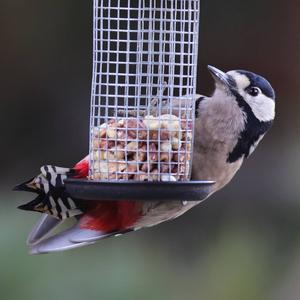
x: 52, y: 197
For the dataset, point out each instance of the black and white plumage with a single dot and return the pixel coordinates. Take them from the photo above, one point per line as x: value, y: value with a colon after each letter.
x: 51, y: 197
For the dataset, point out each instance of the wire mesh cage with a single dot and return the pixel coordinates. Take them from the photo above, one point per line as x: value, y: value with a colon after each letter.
x: 143, y: 89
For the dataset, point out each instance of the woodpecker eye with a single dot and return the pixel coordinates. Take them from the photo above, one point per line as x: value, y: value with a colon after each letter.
x: 253, y: 91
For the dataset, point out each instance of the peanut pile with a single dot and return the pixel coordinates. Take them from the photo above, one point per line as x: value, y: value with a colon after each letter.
x: 145, y: 149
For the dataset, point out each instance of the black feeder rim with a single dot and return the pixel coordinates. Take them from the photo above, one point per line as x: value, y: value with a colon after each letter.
x: 138, y: 190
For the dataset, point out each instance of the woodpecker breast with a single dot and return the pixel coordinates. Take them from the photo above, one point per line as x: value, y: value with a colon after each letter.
x: 218, y: 126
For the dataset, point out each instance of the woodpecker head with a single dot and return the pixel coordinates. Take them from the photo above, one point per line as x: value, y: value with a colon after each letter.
x: 255, y: 98
x: 248, y: 89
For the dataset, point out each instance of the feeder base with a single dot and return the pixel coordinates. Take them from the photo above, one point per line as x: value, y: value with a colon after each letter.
x: 137, y: 190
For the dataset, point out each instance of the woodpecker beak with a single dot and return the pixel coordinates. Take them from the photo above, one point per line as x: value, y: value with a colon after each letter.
x: 221, y: 78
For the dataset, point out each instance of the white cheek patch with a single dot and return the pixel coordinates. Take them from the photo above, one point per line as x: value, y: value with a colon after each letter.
x: 241, y: 80
x: 262, y: 107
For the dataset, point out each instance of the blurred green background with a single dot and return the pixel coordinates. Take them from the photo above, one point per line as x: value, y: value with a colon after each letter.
x: 243, y: 243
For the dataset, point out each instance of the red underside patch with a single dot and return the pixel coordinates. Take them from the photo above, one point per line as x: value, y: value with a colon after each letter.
x: 107, y: 216
x: 82, y: 169
x: 111, y: 216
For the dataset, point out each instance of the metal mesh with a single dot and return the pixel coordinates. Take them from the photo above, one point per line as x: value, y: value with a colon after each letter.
x: 143, y: 90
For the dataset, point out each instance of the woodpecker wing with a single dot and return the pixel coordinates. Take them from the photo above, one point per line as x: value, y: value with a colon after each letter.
x: 52, y: 197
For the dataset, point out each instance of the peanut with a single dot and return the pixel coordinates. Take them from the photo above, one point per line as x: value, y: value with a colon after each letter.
x: 151, y: 122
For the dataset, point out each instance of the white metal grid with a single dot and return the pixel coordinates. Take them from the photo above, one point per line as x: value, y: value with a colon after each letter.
x: 143, y: 90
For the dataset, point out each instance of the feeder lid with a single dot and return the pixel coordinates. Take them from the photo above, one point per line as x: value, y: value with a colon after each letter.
x: 138, y: 190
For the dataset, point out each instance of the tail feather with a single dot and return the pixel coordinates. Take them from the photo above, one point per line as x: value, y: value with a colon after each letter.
x: 42, y: 229
x: 71, y: 238
x: 58, y: 242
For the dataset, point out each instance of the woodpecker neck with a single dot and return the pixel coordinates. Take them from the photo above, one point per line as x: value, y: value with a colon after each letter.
x: 220, y: 120
x: 251, y: 135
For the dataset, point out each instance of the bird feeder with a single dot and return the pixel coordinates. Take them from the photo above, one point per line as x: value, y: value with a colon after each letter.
x: 142, y: 102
